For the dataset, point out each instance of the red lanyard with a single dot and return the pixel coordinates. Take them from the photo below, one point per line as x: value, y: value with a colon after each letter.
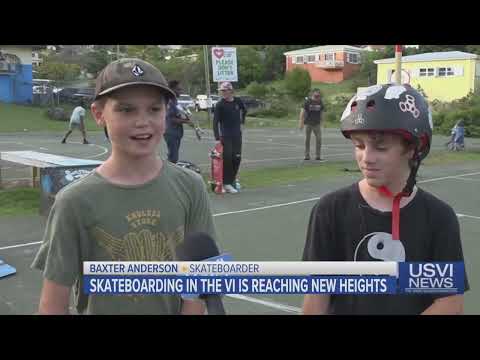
x: 395, y: 210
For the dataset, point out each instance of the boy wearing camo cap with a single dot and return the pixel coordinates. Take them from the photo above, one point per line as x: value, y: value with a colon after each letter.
x: 133, y: 207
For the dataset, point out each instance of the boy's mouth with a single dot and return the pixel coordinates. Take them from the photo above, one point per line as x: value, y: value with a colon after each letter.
x: 142, y: 137
x: 370, y: 172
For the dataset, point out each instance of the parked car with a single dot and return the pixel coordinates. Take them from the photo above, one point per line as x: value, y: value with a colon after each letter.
x: 251, y: 103
x: 44, y: 86
x: 66, y: 94
x: 75, y: 95
x: 202, y: 103
x: 86, y: 95
x: 186, y: 101
x: 215, y: 99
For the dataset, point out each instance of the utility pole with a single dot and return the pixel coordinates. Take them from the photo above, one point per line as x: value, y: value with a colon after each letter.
x: 398, y: 63
x: 207, y: 78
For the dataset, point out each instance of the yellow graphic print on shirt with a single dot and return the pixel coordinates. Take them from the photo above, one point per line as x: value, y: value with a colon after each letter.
x: 140, y: 244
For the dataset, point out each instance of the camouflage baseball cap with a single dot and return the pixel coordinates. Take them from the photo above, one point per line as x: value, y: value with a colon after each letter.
x: 127, y: 72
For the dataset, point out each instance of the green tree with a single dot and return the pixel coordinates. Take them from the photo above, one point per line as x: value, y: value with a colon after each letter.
x: 275, y: 65
x: 389, y: 51
x: 190, y: 73
x: 475, y: 49
x: 250, y: 65
x: 150, y: 53
x: 421, y: 91
x: 436, y: 48
x: 96, y: 61
x: 257, y: 90
x: 298, y: 83
x: 368, y: 67
x: 58, y: 71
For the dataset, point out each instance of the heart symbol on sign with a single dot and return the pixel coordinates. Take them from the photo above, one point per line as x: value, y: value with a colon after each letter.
x: 218, y: 53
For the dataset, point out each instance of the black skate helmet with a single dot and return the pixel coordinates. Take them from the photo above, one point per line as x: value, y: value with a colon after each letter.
x: 391, y: 108
x: 396, y: 109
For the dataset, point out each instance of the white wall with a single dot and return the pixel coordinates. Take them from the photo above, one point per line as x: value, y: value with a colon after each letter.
x: 24, y: 53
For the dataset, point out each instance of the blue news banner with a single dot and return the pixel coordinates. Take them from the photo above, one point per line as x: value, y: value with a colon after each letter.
x: 413, y: 278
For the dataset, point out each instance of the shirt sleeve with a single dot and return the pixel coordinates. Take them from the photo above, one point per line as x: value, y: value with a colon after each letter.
x: 172, y: 110
x: 243, y: 109
x: 320, y: 240
x: 217, y: 121
x: 306, y: 105
x: 200, y: 216
x: 59, y: 256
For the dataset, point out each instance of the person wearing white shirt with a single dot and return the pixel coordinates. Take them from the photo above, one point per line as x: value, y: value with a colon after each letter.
x: 77, y: 121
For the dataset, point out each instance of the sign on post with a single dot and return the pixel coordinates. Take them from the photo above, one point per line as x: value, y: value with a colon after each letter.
x: 224, y: 64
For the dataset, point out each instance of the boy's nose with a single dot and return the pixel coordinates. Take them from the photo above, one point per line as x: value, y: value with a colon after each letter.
x: 141, y: 120
x: 369, y: 155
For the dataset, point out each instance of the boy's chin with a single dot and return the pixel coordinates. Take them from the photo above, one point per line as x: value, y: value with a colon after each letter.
x: 376, y: 183
x: 142, y: 152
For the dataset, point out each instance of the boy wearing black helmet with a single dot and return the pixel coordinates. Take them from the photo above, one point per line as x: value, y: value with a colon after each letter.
x: 391, y: 129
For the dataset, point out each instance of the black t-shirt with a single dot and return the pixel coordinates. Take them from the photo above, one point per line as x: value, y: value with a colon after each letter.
x: 342, y: 225
x: 313, y: 111
x: 227, y: 118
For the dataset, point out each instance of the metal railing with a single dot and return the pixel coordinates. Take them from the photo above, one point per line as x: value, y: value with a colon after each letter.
x: 331, y: 64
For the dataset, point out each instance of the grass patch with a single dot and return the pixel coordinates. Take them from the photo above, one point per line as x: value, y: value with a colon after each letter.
x: 255, y: 178
x: 441, y: 157
x: 17, y: 118
x: 295, y: 174
x: 21, y: 201
x: 290, y: 122
x: 26, y: 201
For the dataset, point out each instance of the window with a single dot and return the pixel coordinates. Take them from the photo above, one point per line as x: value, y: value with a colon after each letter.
x: 445, y: 71
x: 353, y: 58
x: 427, y: 72
x: 330, y: 57
x: 298, y: 59
x: 311, y: 58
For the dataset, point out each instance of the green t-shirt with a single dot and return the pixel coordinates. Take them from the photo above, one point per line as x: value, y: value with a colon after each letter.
x: 95, y: 220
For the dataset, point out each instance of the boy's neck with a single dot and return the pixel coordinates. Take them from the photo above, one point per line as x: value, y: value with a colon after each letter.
x: 130, y: 171
x: 379, y: 201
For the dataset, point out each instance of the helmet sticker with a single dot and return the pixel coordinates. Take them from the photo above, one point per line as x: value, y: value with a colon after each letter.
x: 137, y: 71
x: 394, y: 92
x: 348, y: 109
x: 359, y: 120
x: 409, y: 105
x: 364, y: 93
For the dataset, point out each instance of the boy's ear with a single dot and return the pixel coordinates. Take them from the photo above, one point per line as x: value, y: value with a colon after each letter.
x: 97, y: 113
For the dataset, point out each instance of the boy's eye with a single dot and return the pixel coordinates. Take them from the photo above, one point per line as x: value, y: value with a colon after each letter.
x: 126, y: 109
x: 156, y: 108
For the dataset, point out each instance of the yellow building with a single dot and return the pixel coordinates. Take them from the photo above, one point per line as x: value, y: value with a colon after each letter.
x: 443, y: 76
